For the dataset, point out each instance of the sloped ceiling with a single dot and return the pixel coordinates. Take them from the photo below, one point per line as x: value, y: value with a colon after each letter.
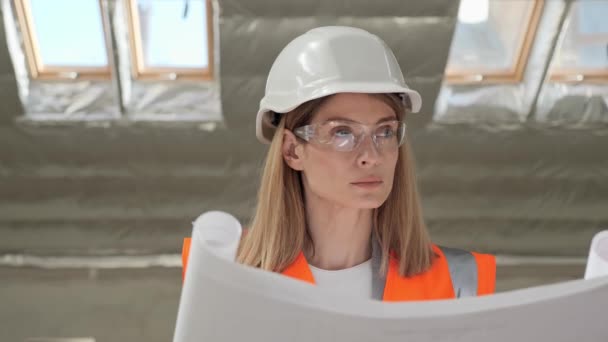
x: 90, y: 189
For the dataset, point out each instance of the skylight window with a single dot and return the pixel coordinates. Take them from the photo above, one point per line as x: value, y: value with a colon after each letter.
x: 171, y: 39
x: 583, y: 51
x: 492, y: 40
x: 64, y: 38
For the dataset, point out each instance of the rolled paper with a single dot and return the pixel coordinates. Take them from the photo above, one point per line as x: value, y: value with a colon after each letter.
x: 215, y: 236
x: 218, y: 231
x: 597, y: 263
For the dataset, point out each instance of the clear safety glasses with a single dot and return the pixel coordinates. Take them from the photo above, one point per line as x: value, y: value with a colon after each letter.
x: 346, y: 136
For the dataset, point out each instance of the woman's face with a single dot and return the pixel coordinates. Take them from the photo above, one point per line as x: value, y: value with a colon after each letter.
x: 361, y: 178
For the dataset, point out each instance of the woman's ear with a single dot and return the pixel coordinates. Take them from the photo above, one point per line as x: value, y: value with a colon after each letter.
x: 290, y: 150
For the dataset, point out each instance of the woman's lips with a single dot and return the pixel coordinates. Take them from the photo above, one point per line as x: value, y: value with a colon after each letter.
x: 368, y: 184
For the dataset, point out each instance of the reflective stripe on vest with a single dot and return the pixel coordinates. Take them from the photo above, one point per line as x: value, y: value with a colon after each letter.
x: 462, y: 266
x: 463, y: 271
x: 378, y: 278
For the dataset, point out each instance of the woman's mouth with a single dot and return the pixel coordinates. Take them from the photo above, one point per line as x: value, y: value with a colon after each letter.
x: 368, y: 184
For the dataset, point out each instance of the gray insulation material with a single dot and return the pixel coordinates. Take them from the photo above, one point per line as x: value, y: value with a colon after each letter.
x: 525, y: 190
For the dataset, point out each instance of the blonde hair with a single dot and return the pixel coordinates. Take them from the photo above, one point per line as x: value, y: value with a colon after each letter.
x: 278, y: 230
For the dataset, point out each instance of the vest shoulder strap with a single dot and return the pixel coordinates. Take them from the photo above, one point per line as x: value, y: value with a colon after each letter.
x: 463, y: 271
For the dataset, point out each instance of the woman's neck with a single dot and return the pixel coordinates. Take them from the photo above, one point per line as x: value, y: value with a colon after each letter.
x: 340, y: 236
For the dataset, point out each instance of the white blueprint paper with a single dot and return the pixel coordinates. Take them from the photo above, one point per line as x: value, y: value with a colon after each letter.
x: 597, y: 264
x: 223, y: 301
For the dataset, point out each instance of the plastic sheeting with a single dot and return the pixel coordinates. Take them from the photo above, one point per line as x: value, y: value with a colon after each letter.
x: 80, y: 101
x: 13, y: 40
x: 573, y: 105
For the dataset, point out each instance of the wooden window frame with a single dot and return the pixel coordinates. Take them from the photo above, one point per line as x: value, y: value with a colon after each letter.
x: 38, y: 70
x: 515, y: 74
x: 141, y: 72
x: 579, y: 75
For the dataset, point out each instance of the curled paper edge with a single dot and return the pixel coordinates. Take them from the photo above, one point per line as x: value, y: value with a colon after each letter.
x: 597, y: 263
x: 219, y: 232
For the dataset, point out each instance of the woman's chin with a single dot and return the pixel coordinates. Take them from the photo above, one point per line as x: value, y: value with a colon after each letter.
x: 367, y: 203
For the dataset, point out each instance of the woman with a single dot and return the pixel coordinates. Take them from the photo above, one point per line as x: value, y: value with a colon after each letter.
x: 338, y: 204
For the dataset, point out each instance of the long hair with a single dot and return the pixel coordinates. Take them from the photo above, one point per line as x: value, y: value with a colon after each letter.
x: 278, y: 231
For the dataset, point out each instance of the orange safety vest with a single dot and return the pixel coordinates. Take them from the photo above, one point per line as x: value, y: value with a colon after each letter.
x: 435, y: 283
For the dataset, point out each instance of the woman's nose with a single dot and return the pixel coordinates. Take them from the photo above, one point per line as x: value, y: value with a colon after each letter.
x: 368, y: 154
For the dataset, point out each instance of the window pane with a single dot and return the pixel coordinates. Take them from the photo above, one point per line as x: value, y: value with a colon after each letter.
x: 585, y: 42
x: 69, y: 32
x: 174, y: 33
x: 489, y: 34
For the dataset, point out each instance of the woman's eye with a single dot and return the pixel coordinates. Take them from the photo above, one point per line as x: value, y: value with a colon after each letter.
x: 386, y: 132
x: 342, y: 132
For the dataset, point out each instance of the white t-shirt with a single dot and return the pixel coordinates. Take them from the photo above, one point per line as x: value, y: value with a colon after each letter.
x: 355, y: 281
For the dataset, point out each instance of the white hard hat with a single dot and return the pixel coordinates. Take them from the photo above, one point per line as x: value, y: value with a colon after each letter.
x: 325, y: 61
